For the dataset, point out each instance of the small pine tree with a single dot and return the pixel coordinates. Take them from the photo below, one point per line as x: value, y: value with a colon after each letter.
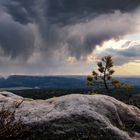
x: 103, y: 78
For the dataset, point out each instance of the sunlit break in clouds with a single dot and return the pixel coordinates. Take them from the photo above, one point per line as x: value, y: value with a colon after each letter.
x: 53, y: 37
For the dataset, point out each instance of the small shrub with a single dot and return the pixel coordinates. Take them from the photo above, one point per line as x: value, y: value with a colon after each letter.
x: 10, y: 128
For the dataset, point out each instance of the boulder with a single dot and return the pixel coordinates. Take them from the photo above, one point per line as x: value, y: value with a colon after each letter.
x: 76, y: 117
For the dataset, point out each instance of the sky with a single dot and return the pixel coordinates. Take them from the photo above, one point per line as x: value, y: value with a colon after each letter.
x: 68, y: 37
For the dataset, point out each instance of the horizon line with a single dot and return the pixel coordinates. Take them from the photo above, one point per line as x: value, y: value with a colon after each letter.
x: 61, y: 75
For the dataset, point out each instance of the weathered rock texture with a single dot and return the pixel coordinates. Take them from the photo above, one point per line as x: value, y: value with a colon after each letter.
x: 77, y: 117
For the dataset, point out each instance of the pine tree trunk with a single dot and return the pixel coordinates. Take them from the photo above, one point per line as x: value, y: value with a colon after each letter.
x: 105, y: 84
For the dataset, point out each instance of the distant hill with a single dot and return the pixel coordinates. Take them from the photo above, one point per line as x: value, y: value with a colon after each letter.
x: 16, y: 81
x: 132, y: 80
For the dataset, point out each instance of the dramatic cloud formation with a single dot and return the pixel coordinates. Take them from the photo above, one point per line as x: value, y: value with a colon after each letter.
x: 16, y: 40
x: 46, y: 33
x: 129, y: 52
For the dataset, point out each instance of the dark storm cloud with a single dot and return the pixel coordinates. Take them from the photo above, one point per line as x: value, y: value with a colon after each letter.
x: 69, y: 10
x: 19, y: 13
x: 65, y: 11
x: 60, y: 28
x: 16, y: 40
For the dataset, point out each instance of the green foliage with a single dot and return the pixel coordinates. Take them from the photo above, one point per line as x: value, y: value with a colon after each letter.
x: 127, y: 86
x: 89, y: 80
x: 116, y: 83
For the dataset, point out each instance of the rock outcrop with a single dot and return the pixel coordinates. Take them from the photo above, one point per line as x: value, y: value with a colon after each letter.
x: 77, y: 117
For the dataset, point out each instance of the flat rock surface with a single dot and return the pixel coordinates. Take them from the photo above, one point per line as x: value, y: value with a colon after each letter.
x: 77, y: 117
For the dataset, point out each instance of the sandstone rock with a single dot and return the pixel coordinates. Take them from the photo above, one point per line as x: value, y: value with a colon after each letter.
x: 77, y: 117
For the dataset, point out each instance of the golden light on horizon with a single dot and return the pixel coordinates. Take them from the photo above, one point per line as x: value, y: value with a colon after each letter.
x: 131, y: 68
